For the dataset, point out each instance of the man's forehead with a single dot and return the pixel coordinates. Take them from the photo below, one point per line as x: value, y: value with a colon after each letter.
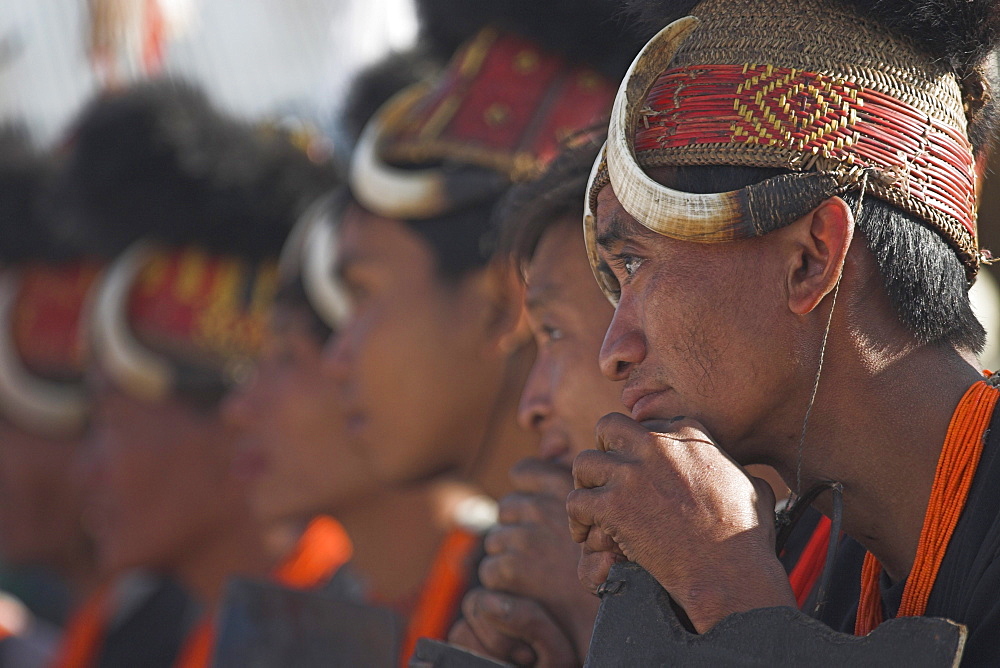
x: 550, y: 272
x: 363, y: 238
x: 542, y: 291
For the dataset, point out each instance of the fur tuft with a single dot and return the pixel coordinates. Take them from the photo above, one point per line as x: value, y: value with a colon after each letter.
x: 657, y: 14
x: 961, y: 32
x: 595, y: 32
x: 379, y: 82
x: 157, y: 161
x: 24, y: 174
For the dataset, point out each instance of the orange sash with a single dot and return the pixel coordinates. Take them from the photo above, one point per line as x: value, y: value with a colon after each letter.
x: 442, y: 593
x: 322, y: 549
x: 85, y: 632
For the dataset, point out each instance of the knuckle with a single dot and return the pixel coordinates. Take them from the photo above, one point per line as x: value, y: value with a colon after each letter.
x: 471, y: 605
x: 513, y: 507
x: 574, y: 504
x: 461, y: 634
x: 494, y: 541
x: 689, y: 428
x: 498, y: 572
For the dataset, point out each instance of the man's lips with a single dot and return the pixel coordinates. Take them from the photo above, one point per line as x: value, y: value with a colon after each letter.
x: 251, y: 462
x: 640, y: 401
x: 355, y: 421
x: 554, y: 447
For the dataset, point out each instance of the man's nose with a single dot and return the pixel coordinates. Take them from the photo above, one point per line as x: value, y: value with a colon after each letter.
x: 624, y: 343
x: 535, y: 406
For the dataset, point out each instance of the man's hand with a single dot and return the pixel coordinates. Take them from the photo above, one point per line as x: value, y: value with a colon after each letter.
x: 673, y: 502
x: 531, y: 554
x: 513, y: 629
x: 531, y: 566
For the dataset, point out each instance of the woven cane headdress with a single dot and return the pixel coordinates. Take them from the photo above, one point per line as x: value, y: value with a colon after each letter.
x: 802, y: 85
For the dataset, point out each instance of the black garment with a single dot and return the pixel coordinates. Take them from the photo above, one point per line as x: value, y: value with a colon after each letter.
x: 967, y: 589
x: 845, y: 581
x: 151, y: 631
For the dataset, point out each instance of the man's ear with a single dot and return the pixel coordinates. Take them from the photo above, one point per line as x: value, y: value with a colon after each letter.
x: 819, y: 242
x: 503, y: 316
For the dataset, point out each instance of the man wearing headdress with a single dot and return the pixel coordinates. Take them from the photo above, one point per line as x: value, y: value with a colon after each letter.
x: 785, y: 217
x: 44, y: 412
x: 433, y: 352
x: 530, y: 594
x: 193, y: 208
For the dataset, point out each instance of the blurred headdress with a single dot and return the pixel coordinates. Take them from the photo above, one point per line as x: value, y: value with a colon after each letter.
x: 194, y: 207
x: 526, y: 77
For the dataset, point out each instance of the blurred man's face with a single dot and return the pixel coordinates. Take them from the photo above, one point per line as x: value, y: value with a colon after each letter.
x: 566, y: 394
x: 419, y: 374
x: 292, y: 442
x: 40, y: 499
x: 160, y: 486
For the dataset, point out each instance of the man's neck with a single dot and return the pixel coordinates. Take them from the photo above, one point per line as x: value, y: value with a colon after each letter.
x: 396, y: 536
x: 879, y: 432
x: 243, y: 547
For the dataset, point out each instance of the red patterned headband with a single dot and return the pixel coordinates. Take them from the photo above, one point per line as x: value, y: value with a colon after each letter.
x: 503, y: 104
x: 158, y: 311
x: 43, y: 346
x: 814, y: 115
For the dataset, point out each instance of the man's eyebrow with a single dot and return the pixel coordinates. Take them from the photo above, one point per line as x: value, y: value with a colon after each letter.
x: 538, y: 299
x: 621, y: 229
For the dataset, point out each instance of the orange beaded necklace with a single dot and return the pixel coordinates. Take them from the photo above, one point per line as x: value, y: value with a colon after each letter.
x: 956, y: 468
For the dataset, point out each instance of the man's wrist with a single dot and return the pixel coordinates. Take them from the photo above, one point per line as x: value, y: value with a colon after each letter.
x: 747, y: 587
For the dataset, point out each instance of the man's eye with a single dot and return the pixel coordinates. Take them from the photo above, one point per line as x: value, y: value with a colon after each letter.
x: 552, y: 333
x: 627, y: 264
x: 631, y: 264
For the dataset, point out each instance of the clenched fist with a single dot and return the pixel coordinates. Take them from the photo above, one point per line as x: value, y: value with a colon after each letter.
x: 662, y: 494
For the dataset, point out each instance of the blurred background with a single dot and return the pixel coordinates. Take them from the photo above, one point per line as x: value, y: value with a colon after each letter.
x: 285, y: 61
x: 258, y: 58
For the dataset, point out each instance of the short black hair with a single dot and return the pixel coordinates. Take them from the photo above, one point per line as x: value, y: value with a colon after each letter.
x: 531, y: 209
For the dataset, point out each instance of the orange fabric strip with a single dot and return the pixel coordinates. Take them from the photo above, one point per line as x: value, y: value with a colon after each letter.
x: 956, y: 469
x: 810, y: 564
x: 442, y: 592
x: 323, y: 548
x: 81, y: 643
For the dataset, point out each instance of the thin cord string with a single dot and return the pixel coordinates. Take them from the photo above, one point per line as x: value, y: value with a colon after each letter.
x: 812, y: 397
x: 822, y: 352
